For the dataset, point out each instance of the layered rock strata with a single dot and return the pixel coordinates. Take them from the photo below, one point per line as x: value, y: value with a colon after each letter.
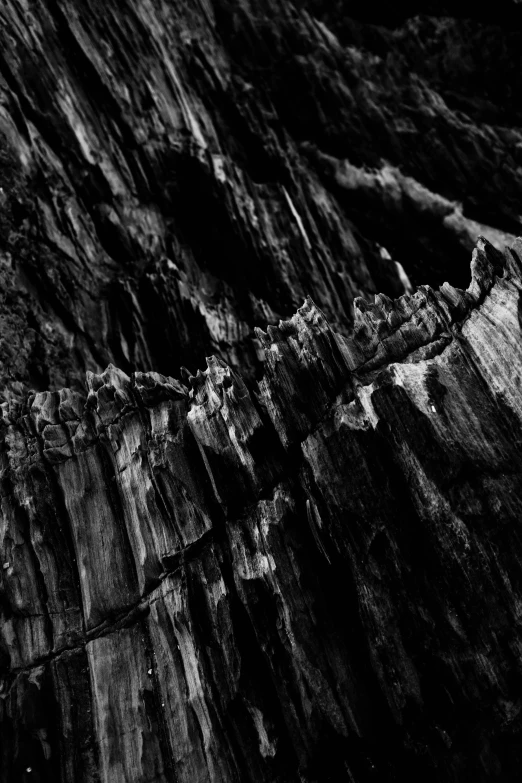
x: 313, y: 578
x: 173, y: 174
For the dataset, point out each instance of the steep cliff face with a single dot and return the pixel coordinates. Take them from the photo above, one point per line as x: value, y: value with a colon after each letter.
x: 303, y: 563
x: 318, y: 581
x: 174, y: 174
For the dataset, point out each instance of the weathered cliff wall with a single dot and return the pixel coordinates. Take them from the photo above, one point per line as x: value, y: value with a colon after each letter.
x: 318, y: 581
x: 302, y: 564
x: 174, y: 174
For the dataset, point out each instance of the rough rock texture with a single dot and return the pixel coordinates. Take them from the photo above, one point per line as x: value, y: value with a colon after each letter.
x: 175, y: 173
x: 302, y: 564
x: 320, y: 580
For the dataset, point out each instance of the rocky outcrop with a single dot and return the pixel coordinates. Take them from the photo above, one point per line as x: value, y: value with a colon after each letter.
x: 174, y: 174
x: 302, y: 563
x: 315, y: 580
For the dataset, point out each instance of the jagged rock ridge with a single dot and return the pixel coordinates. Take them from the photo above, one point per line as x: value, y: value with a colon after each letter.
x: 316, y: 581
x: 301, y: 564
x: 174, y: 174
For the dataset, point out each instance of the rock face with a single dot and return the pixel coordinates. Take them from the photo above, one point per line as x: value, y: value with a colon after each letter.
x: 174, y: 174
x: 317, y: 581
x: 303, y: 563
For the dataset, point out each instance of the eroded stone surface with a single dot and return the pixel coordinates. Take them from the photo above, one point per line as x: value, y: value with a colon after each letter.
x: 174, y: 174
x: 320, y: 576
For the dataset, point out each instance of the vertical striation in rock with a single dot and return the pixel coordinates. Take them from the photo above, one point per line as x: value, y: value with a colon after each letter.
x: 302, y: 563
x: 317, y: 579
x: 174, y: 174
